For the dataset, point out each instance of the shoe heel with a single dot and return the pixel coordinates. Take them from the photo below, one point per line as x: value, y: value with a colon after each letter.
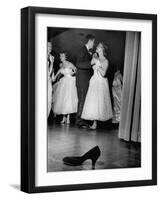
x: 94, y: 162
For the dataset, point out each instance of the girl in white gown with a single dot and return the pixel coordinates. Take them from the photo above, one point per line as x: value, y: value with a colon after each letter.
x: 50, y: 75
x: 117, y: 93
x: 65, y: 93
x: 97, y: 104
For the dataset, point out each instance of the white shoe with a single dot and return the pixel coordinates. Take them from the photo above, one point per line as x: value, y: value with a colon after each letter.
x: 63, y: 121
x: 94, y: 126
x: 68, y: 120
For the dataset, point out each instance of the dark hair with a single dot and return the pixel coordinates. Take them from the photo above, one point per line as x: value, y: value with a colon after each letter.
x: 90, y: 37
x: 63, y: 52
x: 104, y: 48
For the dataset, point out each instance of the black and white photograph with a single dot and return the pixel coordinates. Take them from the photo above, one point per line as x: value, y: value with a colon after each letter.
x: 93, y: 99
x: 89, y: 92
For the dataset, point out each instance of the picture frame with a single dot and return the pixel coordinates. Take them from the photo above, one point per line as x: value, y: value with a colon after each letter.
x: 29, y: 91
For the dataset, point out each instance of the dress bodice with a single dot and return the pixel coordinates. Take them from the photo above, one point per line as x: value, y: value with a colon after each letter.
x: 95, y: 68
x: 66, y: 71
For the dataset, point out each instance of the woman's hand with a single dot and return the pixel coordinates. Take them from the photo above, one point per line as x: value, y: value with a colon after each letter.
x: 94, y: 67
x: 74, y: 70
x: 95, y: 56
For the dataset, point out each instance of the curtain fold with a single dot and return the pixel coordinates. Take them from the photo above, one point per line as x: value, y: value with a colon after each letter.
x: 129, y: 128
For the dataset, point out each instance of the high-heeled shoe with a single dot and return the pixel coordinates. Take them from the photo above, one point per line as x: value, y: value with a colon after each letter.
x: 63, y: 121
x: 92, y: 154
x: 94, y: 126
x: 68, y: 121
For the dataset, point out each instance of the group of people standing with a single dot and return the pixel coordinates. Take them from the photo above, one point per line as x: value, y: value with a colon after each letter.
x: 83, y: 89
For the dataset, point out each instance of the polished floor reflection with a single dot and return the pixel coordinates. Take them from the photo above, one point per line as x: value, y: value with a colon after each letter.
x: 65, y: 140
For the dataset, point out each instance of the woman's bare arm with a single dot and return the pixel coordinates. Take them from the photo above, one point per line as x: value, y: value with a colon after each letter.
x: 59, y: 71
x: 74, y: 69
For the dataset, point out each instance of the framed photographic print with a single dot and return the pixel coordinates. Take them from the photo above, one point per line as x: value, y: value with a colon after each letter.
x: 88, y: 99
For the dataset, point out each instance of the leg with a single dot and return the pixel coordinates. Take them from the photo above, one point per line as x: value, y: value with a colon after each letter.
x: 63, y: 120
x: 81, y: 100
x: 79, y: 109
x: 94, y: 125
x: 82, y: 84
x: 68, y: 119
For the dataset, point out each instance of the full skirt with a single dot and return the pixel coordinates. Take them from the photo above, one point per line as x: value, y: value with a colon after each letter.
x: 97, y: 104
x: 65, y: 98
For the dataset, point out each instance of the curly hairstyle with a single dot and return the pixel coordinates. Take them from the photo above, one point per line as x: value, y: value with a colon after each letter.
x: 104, y: 48
x: 64, y: 52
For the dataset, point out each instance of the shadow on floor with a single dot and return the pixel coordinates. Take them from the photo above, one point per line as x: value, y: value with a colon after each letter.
x: 15, y: 186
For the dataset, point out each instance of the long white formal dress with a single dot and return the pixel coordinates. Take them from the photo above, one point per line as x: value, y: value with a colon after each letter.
x: 117, y: 93
x: 65, y: 98
x: 97, y: 104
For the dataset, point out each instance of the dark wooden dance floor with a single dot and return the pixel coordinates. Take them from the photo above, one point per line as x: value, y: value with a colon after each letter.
x: 64, y: 140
